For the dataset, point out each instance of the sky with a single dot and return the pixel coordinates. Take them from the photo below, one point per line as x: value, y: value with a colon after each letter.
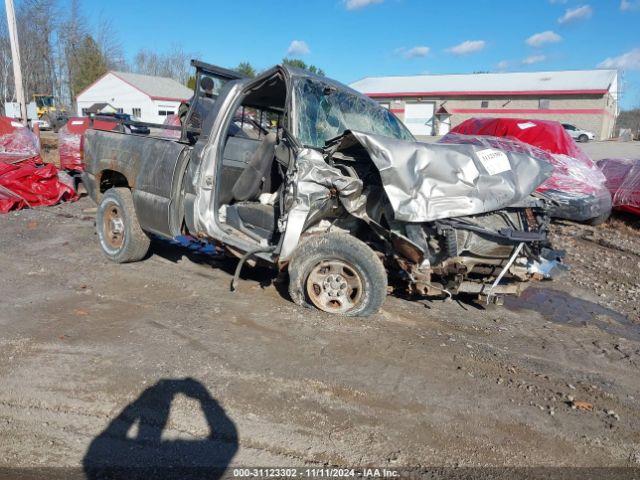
x: 352, y: 39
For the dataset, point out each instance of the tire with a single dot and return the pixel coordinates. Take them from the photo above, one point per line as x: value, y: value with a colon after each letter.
x: 120, y: 235
x: 338, y: 274
x: 583, y: 138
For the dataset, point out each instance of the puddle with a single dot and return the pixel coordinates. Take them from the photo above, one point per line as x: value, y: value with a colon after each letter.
x: 560, y: 307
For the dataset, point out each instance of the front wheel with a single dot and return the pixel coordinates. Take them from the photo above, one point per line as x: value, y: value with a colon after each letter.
x: 337, y: 273
x: 121, y: 237
x: 583, y: 138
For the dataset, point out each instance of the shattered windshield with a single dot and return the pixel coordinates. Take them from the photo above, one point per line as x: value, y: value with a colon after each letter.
x: 324, y: 112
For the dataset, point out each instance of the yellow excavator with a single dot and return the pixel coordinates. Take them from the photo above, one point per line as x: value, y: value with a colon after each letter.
x: 51, y: 115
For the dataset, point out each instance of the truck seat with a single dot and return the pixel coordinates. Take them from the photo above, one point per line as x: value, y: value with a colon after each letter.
x: 250, y: 182
x: 255, y: 219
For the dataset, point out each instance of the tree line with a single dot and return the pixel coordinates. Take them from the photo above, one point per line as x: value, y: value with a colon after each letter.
x: 62, y: 53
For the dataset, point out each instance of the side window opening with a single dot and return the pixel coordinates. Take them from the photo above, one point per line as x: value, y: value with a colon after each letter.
x: 249, y: 192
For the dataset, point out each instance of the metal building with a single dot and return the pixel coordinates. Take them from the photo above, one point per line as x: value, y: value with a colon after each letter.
x: 432, y: 104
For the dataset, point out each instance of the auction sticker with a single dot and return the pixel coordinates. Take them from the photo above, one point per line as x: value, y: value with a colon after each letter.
x: 494, y: 161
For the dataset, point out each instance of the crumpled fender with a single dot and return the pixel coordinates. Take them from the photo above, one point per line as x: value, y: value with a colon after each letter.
x: 427, y: 182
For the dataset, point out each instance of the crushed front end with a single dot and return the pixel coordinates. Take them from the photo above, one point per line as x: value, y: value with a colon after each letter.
x: 487, y: 255
x: 448, y: 219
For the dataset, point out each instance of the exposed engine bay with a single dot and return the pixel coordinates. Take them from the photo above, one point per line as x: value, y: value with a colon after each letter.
x: 487, y: 254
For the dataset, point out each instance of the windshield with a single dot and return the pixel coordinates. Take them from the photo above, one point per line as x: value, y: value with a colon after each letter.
x: 324, y: 112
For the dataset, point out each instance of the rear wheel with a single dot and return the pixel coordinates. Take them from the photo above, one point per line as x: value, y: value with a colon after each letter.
x: 337, y: 273
x: 121, y: 237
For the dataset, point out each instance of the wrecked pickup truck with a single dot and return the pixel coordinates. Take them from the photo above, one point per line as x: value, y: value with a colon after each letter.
x: 308, y: 175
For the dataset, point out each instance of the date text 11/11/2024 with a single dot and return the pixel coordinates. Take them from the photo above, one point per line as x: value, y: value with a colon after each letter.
x: 315, y: 473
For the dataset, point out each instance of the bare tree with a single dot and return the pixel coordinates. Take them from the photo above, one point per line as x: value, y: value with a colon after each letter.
x: 108, y: 40
x: 174, y: 64
x: 6, y: 72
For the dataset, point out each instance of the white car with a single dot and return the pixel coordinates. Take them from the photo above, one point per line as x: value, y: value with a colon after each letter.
x: 577, y: 134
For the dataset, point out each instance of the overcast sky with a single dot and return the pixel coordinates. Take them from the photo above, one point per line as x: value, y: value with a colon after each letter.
x: 351, y: 39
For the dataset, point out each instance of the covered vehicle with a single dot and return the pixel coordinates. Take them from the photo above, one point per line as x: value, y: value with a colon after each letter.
x: 576, y: 189
x: 338, y: 194
x: 623, y: 182
x: 24, y: 180
x: 17, y: 141
x: 70, y: 140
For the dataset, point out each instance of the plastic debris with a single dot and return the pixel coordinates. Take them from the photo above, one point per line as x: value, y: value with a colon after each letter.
x: 623, y: 182
x: 24, y: 180
x: 70, y: 141
x: 17, y: 142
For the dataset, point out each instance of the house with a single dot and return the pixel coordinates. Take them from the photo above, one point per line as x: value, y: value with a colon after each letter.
x: 432, y: 104
x: 146, y: 97
x: 98, y: 108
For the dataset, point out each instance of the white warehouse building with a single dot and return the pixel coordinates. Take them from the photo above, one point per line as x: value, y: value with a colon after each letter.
x: 149, y: 98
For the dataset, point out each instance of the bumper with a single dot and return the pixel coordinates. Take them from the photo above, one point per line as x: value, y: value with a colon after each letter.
x: 578, y: 207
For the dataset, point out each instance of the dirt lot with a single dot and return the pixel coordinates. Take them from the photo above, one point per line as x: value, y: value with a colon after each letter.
x: 137, y: 364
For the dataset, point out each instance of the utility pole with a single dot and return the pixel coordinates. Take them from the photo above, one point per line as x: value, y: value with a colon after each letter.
x: 15, y: 55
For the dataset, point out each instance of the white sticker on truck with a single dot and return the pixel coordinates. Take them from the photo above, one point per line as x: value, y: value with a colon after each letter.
x: 524, y: 126
x: 494, y: 161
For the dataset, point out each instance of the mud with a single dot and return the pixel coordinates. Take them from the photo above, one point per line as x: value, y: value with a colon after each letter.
x: 159, y: 358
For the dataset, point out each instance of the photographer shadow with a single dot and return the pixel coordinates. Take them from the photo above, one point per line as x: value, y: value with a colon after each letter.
x: 119, y: 452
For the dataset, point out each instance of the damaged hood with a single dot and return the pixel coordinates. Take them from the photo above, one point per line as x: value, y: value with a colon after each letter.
x: 426, y: 182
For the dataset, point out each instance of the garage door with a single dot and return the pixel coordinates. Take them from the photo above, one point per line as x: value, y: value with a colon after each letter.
x: 418, y: 117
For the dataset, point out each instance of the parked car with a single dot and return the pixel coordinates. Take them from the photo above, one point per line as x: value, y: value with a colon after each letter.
x: 575, y: 191
x: 340, y: 196
x: 582, y: 136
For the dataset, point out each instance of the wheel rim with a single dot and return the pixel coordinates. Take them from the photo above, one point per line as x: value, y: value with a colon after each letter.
x: 335, y: 286
x: 113, y: 224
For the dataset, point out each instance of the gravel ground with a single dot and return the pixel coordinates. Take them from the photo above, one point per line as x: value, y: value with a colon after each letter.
x: 155, y: 361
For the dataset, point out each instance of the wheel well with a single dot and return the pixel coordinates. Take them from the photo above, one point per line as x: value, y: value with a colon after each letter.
x: 112, y: 178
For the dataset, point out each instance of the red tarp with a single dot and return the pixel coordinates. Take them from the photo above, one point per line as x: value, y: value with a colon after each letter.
x: 70, y: 141
x: 574, y: 171
x: 27, y: 184
x: 623, y: 182
x: 24, y: 180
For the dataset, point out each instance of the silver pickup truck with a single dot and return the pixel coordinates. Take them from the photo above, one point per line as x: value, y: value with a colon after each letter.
x: 308, y: 175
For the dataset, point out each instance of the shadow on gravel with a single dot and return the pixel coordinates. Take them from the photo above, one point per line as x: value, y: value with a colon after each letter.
x: 205, y: 254
x: 131, y: 446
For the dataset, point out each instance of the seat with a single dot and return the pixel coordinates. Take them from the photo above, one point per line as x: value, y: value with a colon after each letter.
x: 250, y: 183
x: 255, y: 219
